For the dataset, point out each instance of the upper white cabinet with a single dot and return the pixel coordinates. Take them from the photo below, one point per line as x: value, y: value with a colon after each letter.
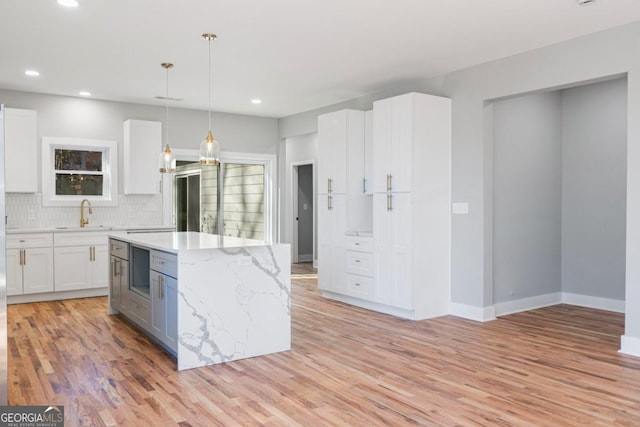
x: 21, y: 151
x: 142, y: 146
x: 394, y: 132
x: 341, y: 145
x: 367, y: 185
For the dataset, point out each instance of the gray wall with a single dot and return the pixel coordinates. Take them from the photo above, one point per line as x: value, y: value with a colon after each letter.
x: 527, y: 149
x: 586, y: 59
x: 594, y: 189
x: 305, y: 210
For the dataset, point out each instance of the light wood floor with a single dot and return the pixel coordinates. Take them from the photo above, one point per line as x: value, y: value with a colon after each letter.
x: 548, y: 367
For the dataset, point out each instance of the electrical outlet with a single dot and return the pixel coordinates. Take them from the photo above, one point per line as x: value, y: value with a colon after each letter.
x: 31, y: 214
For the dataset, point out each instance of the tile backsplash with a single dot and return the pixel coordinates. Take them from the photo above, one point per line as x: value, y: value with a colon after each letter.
x: 26, y: 211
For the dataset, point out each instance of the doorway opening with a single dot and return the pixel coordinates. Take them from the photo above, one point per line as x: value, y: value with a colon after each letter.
x: 303, y: 213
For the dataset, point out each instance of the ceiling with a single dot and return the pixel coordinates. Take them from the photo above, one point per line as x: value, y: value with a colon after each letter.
x: 294, y: 55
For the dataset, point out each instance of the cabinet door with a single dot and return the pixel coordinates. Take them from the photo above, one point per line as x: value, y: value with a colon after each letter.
x: 37, y: 270
x: 141, y: 139
x: 100, y: 267
x: 332, y: 225
x: 368, y: 153
x: 382, y: 138
x: 157, y: 303
x: 114, y: 284
x: 73, y: 268
x: 21, y: 148
x: 124, y: 286
x: 170, y: 337
x: 393, y: 242
x: 14, y: 272
x: 393, y: 144
x: 332, y: 148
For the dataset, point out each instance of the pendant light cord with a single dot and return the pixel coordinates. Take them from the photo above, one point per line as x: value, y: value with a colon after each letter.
x: 210, y: 84
x: 166, y: 137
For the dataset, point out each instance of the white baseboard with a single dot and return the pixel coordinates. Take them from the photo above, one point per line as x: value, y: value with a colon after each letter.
x: 525, y: 304
x: 305, y: 258
x: 479, y: 314
x: 630, y: 345
x: 371, y: 305
x: 607, y: 304
x: 54, y: 296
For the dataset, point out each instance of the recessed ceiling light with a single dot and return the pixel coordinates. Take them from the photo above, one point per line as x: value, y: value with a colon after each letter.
x: 32, y: 73
x: 256, y: 101
x: 84, y: 93
x: 68, y: 3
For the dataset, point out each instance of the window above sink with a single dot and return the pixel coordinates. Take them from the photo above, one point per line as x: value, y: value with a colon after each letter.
x: 77, y: 168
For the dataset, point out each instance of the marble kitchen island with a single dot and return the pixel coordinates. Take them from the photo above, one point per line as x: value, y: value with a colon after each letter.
x: 206, y: 298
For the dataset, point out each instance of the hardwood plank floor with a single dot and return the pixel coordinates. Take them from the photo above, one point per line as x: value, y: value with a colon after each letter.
x: 348, y: 366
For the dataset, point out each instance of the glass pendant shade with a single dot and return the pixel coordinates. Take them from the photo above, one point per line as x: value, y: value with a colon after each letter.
x: 209, y: 151
x: 167, y: 161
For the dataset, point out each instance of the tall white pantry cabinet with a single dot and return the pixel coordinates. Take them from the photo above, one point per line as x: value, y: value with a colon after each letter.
x: 411, y: 202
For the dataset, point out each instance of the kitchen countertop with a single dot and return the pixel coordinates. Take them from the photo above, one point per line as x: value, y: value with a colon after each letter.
x: 89, y: 228
x: 175, y: 242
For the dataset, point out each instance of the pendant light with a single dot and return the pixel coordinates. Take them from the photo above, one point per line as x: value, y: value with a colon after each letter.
x: 167, y: 158
x: 209, y: 147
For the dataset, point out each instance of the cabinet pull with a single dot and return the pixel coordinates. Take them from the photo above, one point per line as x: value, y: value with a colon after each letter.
x: 160, y: 283
x: 115, y: 268
x: 329, y: 202
x: 22, y: 257
x: 364, y: 185
x: 357, y: 260
x: 329, y: 185
x: 389, y: 202
x: 389, y: 179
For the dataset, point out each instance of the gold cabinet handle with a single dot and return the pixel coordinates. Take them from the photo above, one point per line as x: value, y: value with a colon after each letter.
x: 22, y: 257
x: 389, y: 202
x: 115, y: 267
x: 389, y: 182
x: 329, y: 185
x: 329, y: 202
x: 160, y: 285
x: 364, y: 185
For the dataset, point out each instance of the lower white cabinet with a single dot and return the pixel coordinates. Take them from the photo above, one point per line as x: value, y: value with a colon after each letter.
x: 29, y: 263
x: 81, y: 261
x: 332, y: 221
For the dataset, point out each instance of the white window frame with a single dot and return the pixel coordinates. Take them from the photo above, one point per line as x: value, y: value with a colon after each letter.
x: 269, y: 161
x: 109, y: 149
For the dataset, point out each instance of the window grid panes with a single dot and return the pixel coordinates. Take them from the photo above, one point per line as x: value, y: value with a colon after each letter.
x: 78, y: 172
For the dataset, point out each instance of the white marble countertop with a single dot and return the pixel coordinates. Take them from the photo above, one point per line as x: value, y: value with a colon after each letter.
x: 89, y: 228
x: 175, y: 242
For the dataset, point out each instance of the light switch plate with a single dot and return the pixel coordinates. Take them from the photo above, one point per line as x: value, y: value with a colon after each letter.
x: 460, y: 208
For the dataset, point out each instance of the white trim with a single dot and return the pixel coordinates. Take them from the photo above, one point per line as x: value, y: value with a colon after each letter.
x: 479, y: 314
x: 54, y: 296
x: 630, y: 345
x: 110, y: 170
x: 599, y: 303
x: 526, y: 304
x: 294, y: 213
x: 370, y: 305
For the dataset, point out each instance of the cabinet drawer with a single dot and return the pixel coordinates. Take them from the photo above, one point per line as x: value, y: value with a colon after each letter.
x: 165, y: 263
x: 35, y: 240
x: 81, y: 238
x: 359, y: 243
x: 360, y: 263
x: 119, y: 249
x: 359, y: 286
x: 139, y: 310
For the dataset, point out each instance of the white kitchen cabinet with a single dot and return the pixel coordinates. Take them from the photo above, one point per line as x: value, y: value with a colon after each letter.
x: 142, y: 146
x: 81, y: 261
x: 393, y: 248
x: 21, y: 151
x: 332, y: 226
x: 367, y: 185
x: 411, y: 204
x: 164, y: 298
x: 394, y: 123
x: 29, y: 263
